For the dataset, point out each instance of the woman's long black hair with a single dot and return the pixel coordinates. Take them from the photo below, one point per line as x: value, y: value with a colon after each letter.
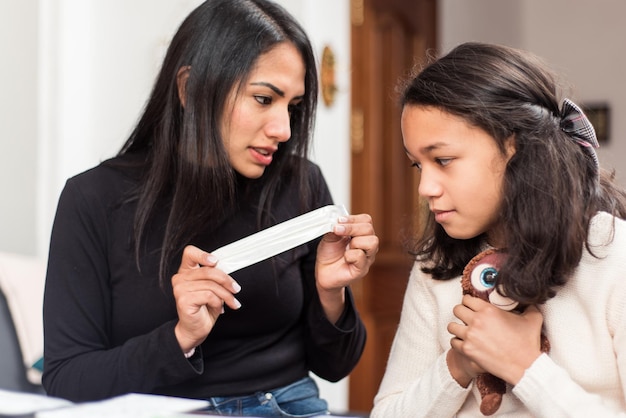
x: 183, y: 160
x: 552, y: 188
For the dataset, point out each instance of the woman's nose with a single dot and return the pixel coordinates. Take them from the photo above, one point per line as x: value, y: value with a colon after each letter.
x: 279, y: 126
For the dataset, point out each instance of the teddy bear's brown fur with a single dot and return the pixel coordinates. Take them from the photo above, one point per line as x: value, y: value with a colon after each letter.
x: 490, y: 387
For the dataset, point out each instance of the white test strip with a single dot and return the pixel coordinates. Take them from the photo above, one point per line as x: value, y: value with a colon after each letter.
x: 278, y: 238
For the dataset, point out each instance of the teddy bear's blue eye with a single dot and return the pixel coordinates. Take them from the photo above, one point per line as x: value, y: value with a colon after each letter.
x: 488, y: 277
x: 483, y: 277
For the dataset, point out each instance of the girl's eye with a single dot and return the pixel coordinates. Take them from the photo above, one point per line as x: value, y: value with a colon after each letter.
x: 264, y: 100
x: 440, y: 161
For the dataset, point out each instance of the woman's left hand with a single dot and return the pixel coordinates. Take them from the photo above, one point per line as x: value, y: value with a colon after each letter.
x: 343, y: 256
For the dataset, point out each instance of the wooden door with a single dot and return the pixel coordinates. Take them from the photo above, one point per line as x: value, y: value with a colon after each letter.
x: 389, y: 37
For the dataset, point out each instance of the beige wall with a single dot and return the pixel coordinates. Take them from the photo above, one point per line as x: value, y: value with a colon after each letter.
x: 585, y: 40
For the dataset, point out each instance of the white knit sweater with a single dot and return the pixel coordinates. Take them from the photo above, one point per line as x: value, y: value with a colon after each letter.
x: 584, y: 374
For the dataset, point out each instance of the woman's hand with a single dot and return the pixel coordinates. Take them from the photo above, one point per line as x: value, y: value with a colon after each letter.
x: 200, y: 290
x: 502, y: 343
x: 343, y: 256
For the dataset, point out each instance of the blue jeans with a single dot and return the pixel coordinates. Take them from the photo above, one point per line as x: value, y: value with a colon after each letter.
x: 298, y: 399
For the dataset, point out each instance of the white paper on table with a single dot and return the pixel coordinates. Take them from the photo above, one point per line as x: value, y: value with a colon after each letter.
x: 278, y: 238
x: 21, y: 403
x: 133, y: 405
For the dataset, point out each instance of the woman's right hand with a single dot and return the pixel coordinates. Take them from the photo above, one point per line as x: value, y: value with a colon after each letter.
x: 200, y: 290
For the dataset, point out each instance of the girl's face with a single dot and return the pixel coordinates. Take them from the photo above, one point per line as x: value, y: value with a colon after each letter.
x: 259, y: 118
x: 462, y: 170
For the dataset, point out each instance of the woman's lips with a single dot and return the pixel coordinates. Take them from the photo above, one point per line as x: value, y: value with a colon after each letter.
x: 262, y: 155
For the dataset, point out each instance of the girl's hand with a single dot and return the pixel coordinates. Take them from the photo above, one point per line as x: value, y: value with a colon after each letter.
x: 200, y: 290
x: 343, y: 256
x: 502, y: 343
x: 462, y: 368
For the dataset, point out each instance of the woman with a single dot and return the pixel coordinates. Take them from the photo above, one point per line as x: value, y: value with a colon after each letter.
x: 134, y: 301
x: 505, y: 164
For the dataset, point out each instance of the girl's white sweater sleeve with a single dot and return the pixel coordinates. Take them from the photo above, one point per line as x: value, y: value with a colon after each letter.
x: 547, y: 390
x: 417, y: 381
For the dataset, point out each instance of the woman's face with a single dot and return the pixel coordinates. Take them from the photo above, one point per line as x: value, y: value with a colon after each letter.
x: 257, y: 118
x: 462, y: 170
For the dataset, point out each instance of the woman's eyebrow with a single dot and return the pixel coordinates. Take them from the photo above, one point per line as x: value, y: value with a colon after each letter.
x: 274, y: 89
x: 271, y: 86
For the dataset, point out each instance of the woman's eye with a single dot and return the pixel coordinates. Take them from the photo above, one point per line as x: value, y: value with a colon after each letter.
x: 264, y: 100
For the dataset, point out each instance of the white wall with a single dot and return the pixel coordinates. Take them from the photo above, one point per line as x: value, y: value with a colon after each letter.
x: 328, y: 24
x: 583, y: 40
x: 18, y: 125
x: 98, y: 60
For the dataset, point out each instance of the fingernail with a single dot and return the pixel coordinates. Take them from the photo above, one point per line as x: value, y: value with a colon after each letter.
x: 236, y: 287
x: 237, y: 304
x: 342, y: 219
x: 340, y: 229
x: 211, y: 259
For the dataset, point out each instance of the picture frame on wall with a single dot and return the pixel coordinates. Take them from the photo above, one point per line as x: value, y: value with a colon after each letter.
x: 599, y: 114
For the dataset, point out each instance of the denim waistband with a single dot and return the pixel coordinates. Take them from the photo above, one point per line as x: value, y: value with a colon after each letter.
x: 300, y: 389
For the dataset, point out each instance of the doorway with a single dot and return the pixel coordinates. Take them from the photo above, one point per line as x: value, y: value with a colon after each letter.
x: 388, y: 38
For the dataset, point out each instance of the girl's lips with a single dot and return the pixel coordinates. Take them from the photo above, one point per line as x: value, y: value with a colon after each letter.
x: 442, y: 215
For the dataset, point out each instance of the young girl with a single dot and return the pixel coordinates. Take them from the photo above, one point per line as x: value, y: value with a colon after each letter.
x: 505, y: 164
x: 134, y: 299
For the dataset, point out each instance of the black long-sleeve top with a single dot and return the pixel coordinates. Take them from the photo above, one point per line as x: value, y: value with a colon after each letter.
x: 109, y: 326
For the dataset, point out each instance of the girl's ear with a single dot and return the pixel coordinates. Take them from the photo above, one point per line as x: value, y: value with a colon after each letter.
x: 509, y: 147
x: 181, y: 83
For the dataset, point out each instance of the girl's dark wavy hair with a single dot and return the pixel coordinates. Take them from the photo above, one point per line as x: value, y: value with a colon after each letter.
x: 183, y: 160
x: 551, y: 187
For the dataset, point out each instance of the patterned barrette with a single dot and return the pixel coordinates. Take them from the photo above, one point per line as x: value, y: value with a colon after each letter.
x: 575, y: 124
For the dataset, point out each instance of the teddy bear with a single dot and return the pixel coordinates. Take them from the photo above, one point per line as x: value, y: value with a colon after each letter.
x: 478, y: 279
